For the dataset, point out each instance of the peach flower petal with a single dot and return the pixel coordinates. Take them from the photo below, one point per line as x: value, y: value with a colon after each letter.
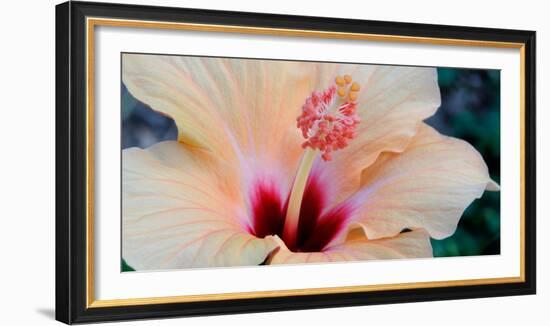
x: 428, y: 185
x: 413, y: 244
x: 243, y: 111
x: 178, y: 212
x: 392, y: 103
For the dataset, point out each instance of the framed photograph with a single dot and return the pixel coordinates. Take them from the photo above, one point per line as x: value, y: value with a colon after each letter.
x: 212, y: 162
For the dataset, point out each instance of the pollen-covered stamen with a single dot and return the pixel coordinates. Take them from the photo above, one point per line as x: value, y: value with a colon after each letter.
x: 328, y: 120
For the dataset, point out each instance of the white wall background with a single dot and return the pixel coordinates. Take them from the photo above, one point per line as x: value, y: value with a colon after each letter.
x: 27, y: 161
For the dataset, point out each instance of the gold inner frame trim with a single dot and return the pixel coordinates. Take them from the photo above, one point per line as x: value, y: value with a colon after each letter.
x: 92, y: 22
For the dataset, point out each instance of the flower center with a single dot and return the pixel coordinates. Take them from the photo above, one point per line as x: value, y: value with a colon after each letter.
x: 328, y: 122
x: 317, y: 226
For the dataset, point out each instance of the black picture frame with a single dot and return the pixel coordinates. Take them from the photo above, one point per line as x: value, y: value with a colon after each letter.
x: 71, y: 157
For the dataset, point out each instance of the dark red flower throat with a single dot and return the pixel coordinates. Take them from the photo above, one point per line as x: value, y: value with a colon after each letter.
x: 316, y: 228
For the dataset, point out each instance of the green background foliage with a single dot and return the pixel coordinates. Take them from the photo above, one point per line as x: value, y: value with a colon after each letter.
x: 125, y: 267
x: 470, y: 110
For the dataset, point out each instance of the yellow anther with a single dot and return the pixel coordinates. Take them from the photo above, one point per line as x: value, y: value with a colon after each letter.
x: 355, y: 87
x: 352, y: 96
x: 348, y: 79
x: 341, y: 91
x: 340, y: 81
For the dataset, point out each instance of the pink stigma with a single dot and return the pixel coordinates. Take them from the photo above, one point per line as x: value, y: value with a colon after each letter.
x: 328, y: 120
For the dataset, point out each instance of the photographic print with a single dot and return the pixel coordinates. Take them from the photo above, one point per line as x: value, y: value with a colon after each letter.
x: 242, y: 162
x: 368, y: 162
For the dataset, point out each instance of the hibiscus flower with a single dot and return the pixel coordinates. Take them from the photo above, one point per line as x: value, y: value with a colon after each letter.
x: 290, y: 162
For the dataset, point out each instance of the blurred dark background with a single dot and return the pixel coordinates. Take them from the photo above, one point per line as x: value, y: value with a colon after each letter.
x: 470, y: 110
x: 141, y: 126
